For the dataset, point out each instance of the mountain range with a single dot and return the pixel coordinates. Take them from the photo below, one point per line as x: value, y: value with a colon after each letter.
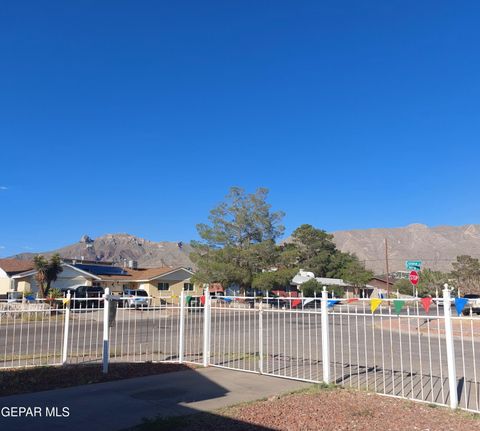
x: 437, y: 247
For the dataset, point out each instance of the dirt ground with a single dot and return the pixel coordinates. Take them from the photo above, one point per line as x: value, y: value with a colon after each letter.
x: 327, y: 410
x: 24, y: 380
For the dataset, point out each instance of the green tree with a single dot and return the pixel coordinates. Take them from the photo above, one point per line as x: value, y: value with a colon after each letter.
x: 310, y: 288
x: 466, y: 274
x: 239, y: 241
x: 314, y: 250
x: 430, y: 282
x: 47, y: 272
x: 354, y: 273
x: 403, y: 286
x: 273, y: 280
x: 242, y: 220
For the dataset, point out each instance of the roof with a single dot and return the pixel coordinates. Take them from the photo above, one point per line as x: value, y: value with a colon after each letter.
x: 332, y: 281
x: 300, y: 279
x: 15, y: 266
x: 383, y: 279
x: 33, y: 271
x: 123, y: 274
x: 146, y: 274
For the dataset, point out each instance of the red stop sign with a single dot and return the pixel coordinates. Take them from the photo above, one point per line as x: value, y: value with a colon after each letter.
x: 413, y: 277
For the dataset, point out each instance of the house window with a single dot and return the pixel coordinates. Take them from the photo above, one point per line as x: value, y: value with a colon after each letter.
x: 163, y: 286
x: 188, y: 286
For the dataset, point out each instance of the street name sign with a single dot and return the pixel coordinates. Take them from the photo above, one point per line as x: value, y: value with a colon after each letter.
x: 413, y: 265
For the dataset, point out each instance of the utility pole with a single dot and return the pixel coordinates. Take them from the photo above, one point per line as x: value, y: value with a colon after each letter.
x: 386, y: 268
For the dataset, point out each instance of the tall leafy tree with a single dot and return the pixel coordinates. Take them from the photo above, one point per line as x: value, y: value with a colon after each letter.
x: 239, y: 240
x: 355, y: 273
x: 313, y: 249
x: 47, y: 272
x: 466, y: 274
x: 272, y: 280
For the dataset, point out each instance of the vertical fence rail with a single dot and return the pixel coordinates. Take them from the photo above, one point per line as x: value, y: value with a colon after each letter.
x: 452, y: 374
x: 206, y: 329
x: 181, y: 335
x: 106, y: 331
x: 325, y: 337
x: 66, y: 327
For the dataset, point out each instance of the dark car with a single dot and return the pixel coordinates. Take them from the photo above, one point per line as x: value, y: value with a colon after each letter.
x: 85, y: 296
x: 473, y: 306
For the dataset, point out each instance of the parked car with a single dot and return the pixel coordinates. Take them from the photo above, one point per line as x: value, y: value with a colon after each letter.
x: 473, y: 306
x: 135, y: 298
x: 88, y: 296
x: 14, y: 296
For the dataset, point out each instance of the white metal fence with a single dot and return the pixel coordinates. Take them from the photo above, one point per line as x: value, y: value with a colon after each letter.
x: 403, y: 352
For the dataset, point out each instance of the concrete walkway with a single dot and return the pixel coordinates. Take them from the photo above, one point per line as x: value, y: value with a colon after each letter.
x: 121, y: 404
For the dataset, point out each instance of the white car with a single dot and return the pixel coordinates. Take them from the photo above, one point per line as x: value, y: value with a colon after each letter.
x: 135, y: 298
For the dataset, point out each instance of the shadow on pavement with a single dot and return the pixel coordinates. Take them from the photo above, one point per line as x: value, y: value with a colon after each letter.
x: 175, y: 400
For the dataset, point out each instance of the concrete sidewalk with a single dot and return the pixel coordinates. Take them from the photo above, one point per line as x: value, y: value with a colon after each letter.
x: 121, y: 404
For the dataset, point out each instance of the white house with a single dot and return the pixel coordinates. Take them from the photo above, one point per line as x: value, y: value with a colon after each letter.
x: 69, y: 277
x: 9, y: 268
x: 304, y: 276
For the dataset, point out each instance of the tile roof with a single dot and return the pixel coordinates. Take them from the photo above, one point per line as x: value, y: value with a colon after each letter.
x: 139, y: 274
x: 15, y: 266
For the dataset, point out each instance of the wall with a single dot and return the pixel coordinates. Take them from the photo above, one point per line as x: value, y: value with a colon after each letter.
x: 23, y: 285
x: 175, y: 289
x: 116, y: 287
x: 5, y: 282
x: 5, y: 286
x: 70, y: 278
x: 67, y: 278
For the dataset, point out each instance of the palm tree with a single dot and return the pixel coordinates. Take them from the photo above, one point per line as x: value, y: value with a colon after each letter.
x: 47, y: 272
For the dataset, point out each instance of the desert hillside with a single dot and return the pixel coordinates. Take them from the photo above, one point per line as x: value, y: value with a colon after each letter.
x: 437, y: 247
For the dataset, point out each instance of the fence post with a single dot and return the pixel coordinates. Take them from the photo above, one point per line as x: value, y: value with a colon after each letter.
x: 181, y: 338
x: 66, y: 328
x: 206, y: 329
x: 325, y: 337
x: 452, y: 374
x: 260, y: 338
x: 106, y: 331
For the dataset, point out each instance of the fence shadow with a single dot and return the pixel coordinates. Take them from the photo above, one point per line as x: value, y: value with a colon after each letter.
x: 175, y: 400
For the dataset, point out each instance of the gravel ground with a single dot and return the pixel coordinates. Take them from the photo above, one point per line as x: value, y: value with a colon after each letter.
x: 327, y: 410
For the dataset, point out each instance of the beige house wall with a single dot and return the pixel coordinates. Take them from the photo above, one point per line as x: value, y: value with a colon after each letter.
x: 5, y: 286
x: 23, y: 285
x: 116, y: 287
x: 172, y: 295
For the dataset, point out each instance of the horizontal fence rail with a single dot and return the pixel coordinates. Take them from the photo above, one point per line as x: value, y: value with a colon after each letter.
x: 410, y: 348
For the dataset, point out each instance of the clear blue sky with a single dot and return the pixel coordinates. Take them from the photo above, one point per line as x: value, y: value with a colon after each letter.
x: 137, y: 116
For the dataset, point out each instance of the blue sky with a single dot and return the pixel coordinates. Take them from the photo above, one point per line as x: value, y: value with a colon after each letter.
x: 137, y: 116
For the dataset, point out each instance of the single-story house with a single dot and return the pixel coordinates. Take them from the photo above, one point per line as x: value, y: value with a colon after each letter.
x: 368, y: 290
x: 164, y: 283
x: 380, y: 282
x: 10, y: 268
